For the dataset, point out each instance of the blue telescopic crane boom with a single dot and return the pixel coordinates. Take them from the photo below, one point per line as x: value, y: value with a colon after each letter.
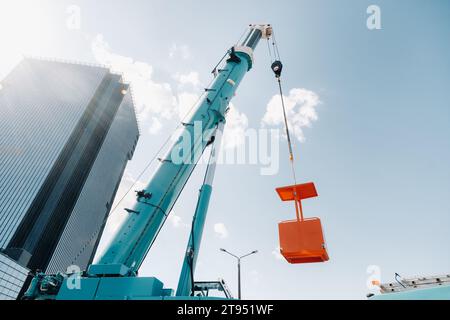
x: 186, y: 281
x: 113, y: 275
x: 137, y: 234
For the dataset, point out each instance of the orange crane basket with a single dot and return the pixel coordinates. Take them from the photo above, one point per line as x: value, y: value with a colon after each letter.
x: 301, y: 240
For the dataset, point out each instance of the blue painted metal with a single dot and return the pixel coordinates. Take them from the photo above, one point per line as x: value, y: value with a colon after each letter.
x: 185, y: 281
x: 118, y: 288
x: 135, y: 237
x: 434, y: 293
x: 113, y: 288
x: 198, y: 222
x: 114, y: 274
x: 108, y: 269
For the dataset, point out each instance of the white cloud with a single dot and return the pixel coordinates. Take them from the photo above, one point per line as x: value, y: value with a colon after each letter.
x: 221, y: 230
x: 156, y: 101
x: 235, y: 127
x: 186, y: 101
x: 188, y: 85
x: 176, y: 221
x: 181, y: 51
x: 155, y: 126
x: 192, y: 78
x: 301, y: 105
x: 153, y: 99
x: 276, y: 253
x: 25, y: 30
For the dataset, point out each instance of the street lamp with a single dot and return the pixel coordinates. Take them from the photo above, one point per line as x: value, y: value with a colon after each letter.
x: 239, y: 266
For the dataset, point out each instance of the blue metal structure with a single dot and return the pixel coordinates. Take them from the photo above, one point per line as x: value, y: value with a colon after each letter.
x: 434, y: 293
x: 114, y: 275
x: 419, y: 288
x: 186, y: 282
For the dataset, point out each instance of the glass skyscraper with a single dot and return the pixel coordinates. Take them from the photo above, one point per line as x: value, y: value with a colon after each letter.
x: 66, y: 133
x: 12, y: 278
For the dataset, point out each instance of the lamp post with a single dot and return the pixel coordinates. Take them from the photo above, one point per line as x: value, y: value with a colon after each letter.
x: 239, y: 266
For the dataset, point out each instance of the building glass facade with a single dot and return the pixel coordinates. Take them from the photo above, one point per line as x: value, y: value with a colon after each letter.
x: 12, y: 278
x: 66, y: 133
x: 37, y: 117
x: 82, y: 232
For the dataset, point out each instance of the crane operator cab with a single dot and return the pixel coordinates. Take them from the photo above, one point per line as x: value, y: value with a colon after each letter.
x: 301, y: 240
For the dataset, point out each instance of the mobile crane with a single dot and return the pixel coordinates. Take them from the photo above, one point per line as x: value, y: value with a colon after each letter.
x: 114, y: 275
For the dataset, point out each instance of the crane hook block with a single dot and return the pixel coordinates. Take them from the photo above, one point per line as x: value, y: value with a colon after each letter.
x: 277, y: 67
x: 301, y: 240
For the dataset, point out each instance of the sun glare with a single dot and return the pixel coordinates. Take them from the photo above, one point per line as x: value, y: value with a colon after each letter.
x: 24, y: 30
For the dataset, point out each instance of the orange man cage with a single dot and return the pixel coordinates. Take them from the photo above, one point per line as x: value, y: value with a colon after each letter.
x: 301, y: 240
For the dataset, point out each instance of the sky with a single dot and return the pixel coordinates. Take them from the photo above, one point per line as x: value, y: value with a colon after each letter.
x: 369, y: 109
